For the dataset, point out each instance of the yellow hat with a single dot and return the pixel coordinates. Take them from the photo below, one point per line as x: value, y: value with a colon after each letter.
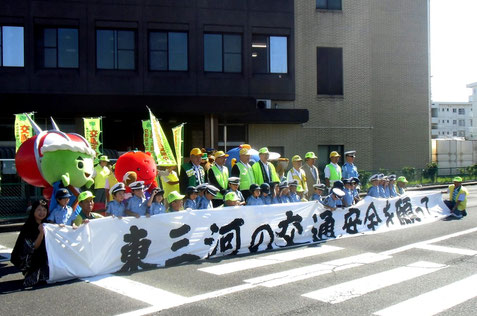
x: 244, y: 151
x: 220, y: 153
x: 296, y: 158
x: 104, y: 158
x: 85, y: 195
x: 263, y: 150
x: 196, y: 152
x: 334, y: 154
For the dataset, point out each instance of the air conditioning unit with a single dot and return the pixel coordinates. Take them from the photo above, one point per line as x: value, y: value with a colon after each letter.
x: 263, y: 104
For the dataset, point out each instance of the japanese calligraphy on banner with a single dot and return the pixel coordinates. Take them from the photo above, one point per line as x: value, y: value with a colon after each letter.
x: 178, y: 135
x: 162, y: 149
x: 92, y: 133
x: 147, y: 136
x: 109, y: 245
x: 23, y: 129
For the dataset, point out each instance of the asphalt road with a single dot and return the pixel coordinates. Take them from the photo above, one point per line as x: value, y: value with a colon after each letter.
x: 422, y: 270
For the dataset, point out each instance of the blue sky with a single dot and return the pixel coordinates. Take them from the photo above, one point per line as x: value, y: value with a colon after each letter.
x: 453, y: 49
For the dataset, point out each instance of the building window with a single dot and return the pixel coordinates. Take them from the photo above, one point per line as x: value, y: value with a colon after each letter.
x: 58, y: 48
x: 168, y: 51
x: 232, y: 135
x: 454, y: 133
x: 461, y: 122
x: 11, y: 46
x: 454, y: 122
x: 461, y: 133
x: 434, y: 112
x: 454, y: 110
x: 115, y: 49
x: 269, y: 54
x: 330, y: 70
x: 447, y: 109
x: 223, y: 53
x: 328, y: 4
x: 442, y: 109
x: 461, y: 111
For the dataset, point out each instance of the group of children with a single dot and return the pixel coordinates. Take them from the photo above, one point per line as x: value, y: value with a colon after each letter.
x: 386, y: 186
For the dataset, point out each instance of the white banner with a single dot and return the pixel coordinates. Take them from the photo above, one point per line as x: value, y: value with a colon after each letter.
x: 110, y: 245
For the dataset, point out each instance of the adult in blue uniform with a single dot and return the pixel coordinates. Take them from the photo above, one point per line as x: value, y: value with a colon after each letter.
x: 349, y: 170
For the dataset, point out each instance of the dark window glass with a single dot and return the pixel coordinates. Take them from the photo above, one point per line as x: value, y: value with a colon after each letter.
x: 328, y: 4
x: 330, y: 70
x: 223, y: 52
x: 11, y: 46
x: 213, y: 52
x: 115, y: 49
x: 59, y: 48
x: 168, y: 51
x: 269, y: 54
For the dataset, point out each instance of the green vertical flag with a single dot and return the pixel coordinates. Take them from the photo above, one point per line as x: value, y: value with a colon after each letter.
x: 23, y: 129
x: 147, y: 136
x: 162, y: 149
x: 178, y: 135
x: 92, y: 133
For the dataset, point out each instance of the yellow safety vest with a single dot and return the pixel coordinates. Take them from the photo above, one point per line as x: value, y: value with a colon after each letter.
x: 462, y: 204
x: 246, y: 176
x: 222, y: 178
x: 102, y: 174
x: 257, y: 173
x: 335, y: 174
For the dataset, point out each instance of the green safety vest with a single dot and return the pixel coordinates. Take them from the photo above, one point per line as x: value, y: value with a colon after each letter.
x: 190, y: 172
x: 335, y: 175
x: 222, y: 179
x: 257, y: 172
x: 246, y: 177
x: 102, y: 174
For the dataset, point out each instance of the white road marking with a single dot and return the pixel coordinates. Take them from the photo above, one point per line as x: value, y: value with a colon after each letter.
x: 138, y: 291
x: 280, y: 257
x: 435, y: 301
x: 355, y: 288
x: 460, y: 251
x: 293, y: 275
x: 5, y: 253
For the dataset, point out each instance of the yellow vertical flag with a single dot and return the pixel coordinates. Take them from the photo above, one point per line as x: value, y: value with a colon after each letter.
x: 92, y: 133
x: 178, y: 135
x: 23, y: 129
x: 162, y: 149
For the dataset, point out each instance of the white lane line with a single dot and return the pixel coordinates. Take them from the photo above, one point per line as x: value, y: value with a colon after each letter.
x: 355, y: 288
x: 459, y: 251
x: 435, y: 301
x: 138, y: 291
x: 5, y: 253
x: 281, y: 257
x: 430, y: 241
x: 293, y: 275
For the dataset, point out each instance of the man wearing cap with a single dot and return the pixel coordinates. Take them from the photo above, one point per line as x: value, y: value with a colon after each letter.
x: 218, y: 176
x: 401, y: 184
x: 85, y: 200
x: 116, y: 207
x: 457, y: 201
x: 192, y: 173
x: 297, y: 173
x: 234, y: 184
x: 243, y: 170
x: 311, y: 172
x: 332, y: 170
x: 349, y: 170
x: 174, y: 199
x: 100, y: 175
x: 206, y: 201
x: 264, y: 171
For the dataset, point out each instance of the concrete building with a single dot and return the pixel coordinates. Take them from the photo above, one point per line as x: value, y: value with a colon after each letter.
x: 362, y: 71
x: 451, y: 119
x: 296, y: 76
